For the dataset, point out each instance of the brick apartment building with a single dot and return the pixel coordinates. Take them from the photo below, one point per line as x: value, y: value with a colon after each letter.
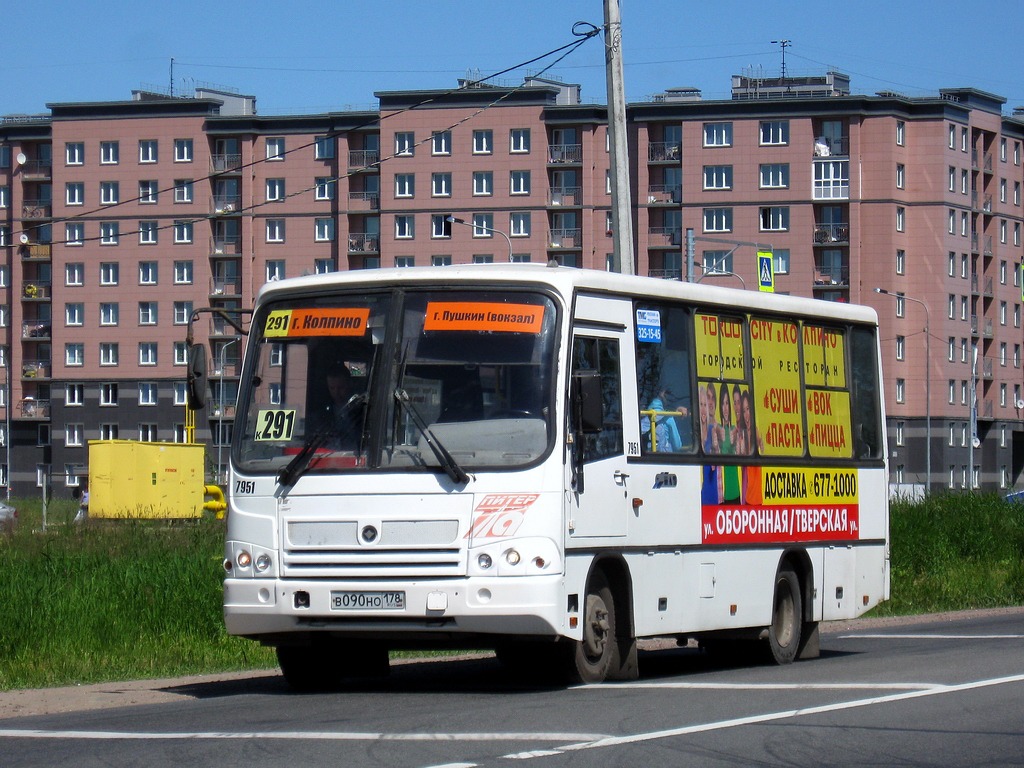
x: 117, y: 219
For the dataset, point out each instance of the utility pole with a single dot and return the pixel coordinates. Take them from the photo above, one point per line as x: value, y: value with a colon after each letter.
x: 622, y: 203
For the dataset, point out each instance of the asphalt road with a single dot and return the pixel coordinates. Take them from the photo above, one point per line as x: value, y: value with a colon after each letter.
x: 937, y: 691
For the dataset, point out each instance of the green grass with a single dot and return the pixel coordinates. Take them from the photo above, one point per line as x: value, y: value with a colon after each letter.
x: 142, y: 599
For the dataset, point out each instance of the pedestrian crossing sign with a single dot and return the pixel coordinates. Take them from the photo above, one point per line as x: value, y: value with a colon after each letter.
x: 766, y: 271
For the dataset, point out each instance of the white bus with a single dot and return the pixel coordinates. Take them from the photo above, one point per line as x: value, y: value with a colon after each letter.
x: 553, y: 463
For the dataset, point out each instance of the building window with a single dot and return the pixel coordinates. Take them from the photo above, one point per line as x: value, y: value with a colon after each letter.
x: 901, y: 343
x: 109, y: 232
x: 774, y: 219
x: 901, y: 262
x: 182, y: 272
x: 108, y: 354
x: 182, y: 312
x: 110, y: 272
x: 74, y: 273
x: 901, y: 176
x: 74, y: 153
x: 180, y: 354
x: 324, y: 189
x: 323, y: 148
x: 717, y: 134
x: 108, y: 431
x: 275, y: 190
x: 147, y: 232
x: 441, y: 261
x: 74, y: 354
x: 901, y: 133
x: 148, y: 272
x: 109, y: 313
x: 183, y: 190
x: 324, y: 266
x: 441, y: 184
x: 780, y: 261
x: 405, y: 185
x: 147, y: 312
x: 74, y: 193
x: 73, y: 435
x: 519, y: 183
x: 73, y: 314
x: 952, y: 178
x: 404, y: 227
x: 147, y: 150
x: 519, y: 224
x: 717, y: 177
x: 439, y: 228
x: 718, y: 219
x: 405, y: 261
x: 275, y: 230
x: 183, y: 150
x: 952, y: 136
x: 717, y: 262
x: 323, y: 230
x: 774, y: 175
x: 182, y: 232
x: 109, y: 193
x: 441, y: 143
x: 74, y: 234
x: 901, y: 218
x: 900, y: 426
x: 275, y: 148
x: 901, y: 390
x: 774, y: 132
x: 109, y: 153
x: 483, y: 225
x: 483, y: 183
x: 519, y: 140
x: 274, y: 270
x: 147, y: 393
x: 483, y: 142
x: 405, y: 144
x: 147, y: 353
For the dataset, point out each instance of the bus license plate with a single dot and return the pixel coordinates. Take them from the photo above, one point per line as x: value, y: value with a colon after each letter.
x: 367, y: 601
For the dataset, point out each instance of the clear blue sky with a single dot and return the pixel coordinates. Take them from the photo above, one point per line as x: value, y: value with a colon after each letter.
x: 302, y: 57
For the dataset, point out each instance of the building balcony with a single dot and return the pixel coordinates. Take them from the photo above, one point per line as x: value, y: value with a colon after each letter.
x: 225, y: 205
x: 664, y: 194
x: 565, y: 196
x: 364, y: 201
x: 37, y: 170
x: 565, y: 238
x: 826, y: 147
x: 36, y: 251
x: 831, y: 276
x: 830, y: 234
x: 986, y: 367
x: 664, y: 152
x: 36, y: 209
x: 30, y: 408
x: 35, y: 330
x: 223, y: 287
x: 984, y: 162
x: 36, y: 369
x: 565, y: 154
x: 226, y: 246
x: 226, y: 163
x: 363, y: 158
x: 36, y: 290
x: 361, y: 242
x: 666, y: 274
x: 665, y: 237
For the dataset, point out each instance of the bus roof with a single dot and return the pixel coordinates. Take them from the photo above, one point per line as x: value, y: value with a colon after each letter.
x: 568, y: 280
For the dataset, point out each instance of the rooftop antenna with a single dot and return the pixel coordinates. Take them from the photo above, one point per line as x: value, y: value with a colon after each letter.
x: 172, y: 77
x: 784, y: 44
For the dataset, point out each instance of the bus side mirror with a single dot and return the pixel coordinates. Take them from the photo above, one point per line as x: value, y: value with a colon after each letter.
x: 196, y: 389
x: 588, y: 404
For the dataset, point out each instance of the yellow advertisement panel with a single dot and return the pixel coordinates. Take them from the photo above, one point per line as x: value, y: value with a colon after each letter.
x: 824, y: 357
x: 775, y: 362
x: 720, y: 350
x: 828, y: 423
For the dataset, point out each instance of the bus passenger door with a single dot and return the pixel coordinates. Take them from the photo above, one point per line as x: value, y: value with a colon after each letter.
x: 604, y: 506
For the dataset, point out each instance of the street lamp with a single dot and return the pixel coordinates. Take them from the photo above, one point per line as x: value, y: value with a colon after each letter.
x: 220, y: 411
x: 453, y: 220
x: 927, y: 381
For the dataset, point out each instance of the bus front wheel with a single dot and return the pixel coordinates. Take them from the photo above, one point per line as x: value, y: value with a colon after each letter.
x: 787, y: 618
x: 598, y: 652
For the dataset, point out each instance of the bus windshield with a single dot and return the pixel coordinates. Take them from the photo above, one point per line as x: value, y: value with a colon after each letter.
x: 418, y: 380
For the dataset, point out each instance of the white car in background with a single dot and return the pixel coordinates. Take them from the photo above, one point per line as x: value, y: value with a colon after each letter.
x: 8, y: 517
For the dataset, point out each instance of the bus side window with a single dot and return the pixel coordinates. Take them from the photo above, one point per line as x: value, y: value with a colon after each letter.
x: 602, y: 355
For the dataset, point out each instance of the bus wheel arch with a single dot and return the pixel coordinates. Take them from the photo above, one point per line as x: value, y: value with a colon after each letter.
x: 793, y: 633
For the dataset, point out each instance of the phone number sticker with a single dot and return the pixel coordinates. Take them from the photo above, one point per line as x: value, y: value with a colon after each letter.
x: 275, y: 425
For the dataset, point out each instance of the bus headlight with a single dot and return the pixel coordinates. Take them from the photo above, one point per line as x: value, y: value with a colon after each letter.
x: 484, y: 561
x: 262, y: 562
x: 512, y: 557
x: 244, y: 559
x: 532, y: 556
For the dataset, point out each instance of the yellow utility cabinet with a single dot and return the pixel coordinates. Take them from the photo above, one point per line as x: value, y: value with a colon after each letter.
x: 130, y: 479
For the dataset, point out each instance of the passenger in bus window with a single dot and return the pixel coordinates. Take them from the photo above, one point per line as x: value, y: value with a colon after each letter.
x: 342, y: 417
x: 667, y: 436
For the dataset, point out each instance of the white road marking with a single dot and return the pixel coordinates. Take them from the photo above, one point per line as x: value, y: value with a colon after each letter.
x: 613, y: 741
x: 774, y: 686
x: 14, y: 733
x: 881, y: 636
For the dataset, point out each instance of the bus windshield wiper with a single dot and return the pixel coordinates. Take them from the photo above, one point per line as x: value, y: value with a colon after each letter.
x: 448, y: 464
x: 298, y: 465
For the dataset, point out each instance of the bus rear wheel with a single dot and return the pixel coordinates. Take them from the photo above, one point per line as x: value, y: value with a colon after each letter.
x: 787, y: 618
